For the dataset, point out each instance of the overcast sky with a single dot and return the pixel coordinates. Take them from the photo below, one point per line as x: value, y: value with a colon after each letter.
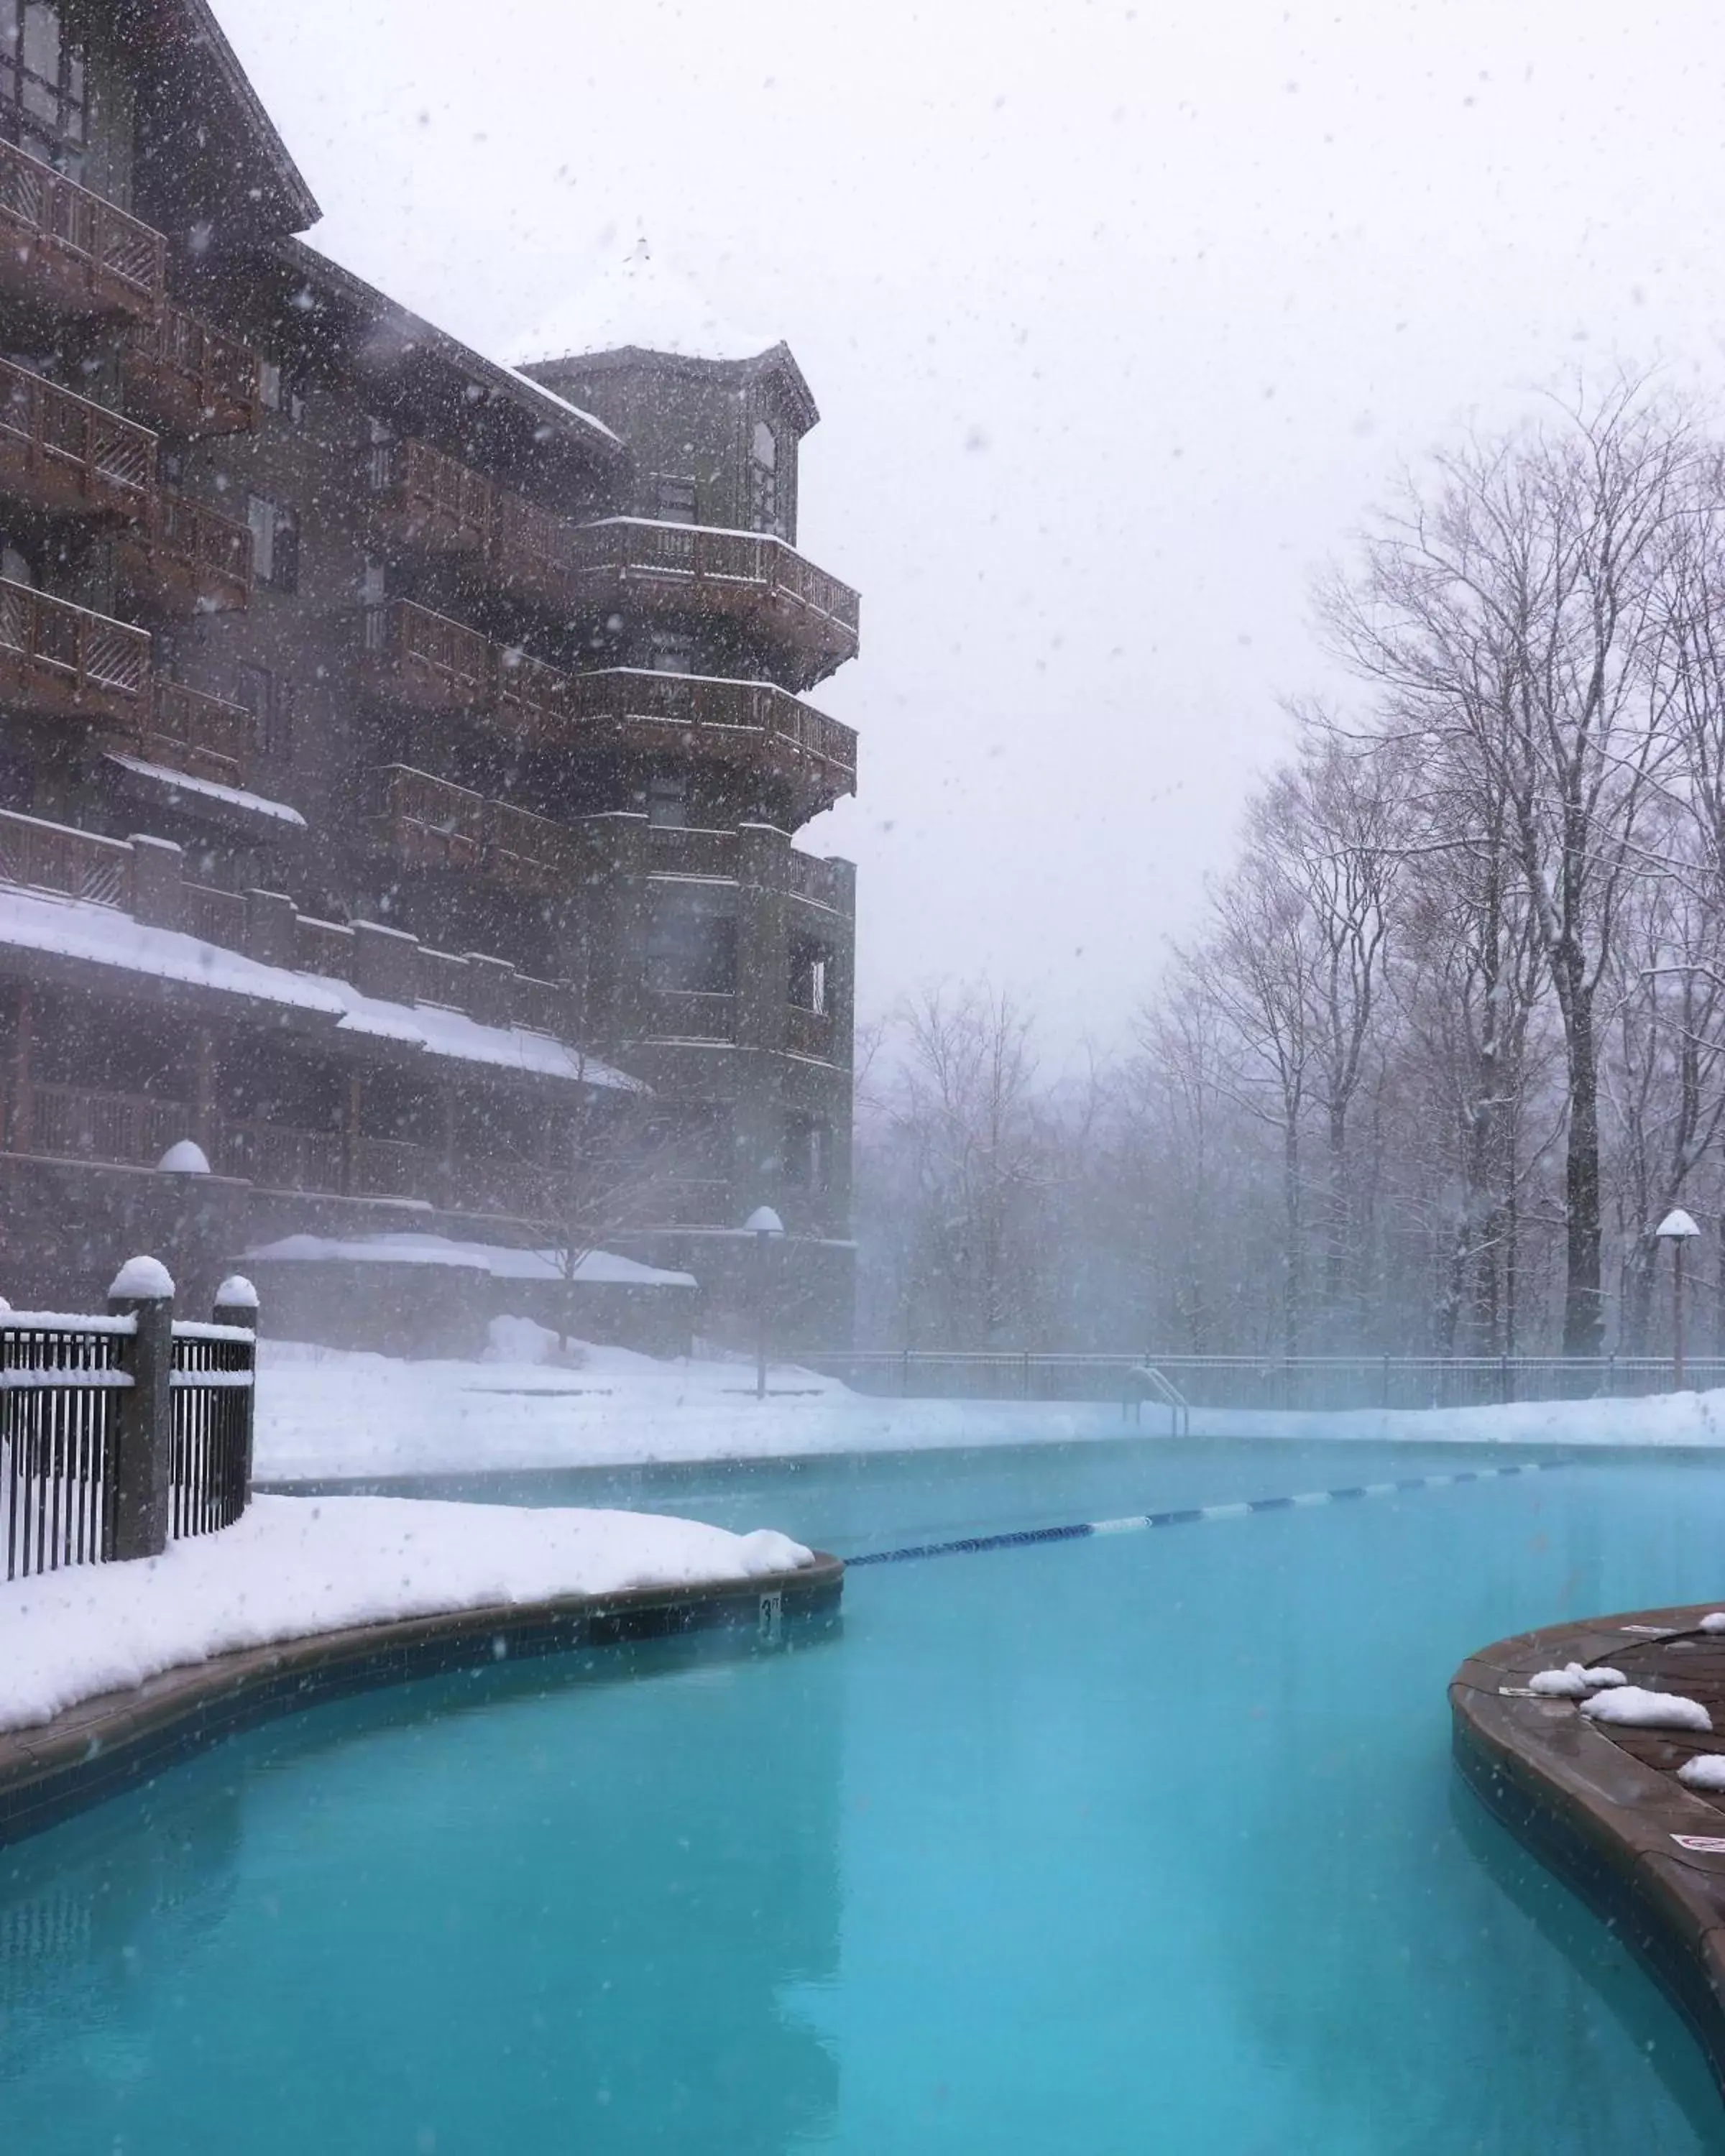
x: 1119, y: 318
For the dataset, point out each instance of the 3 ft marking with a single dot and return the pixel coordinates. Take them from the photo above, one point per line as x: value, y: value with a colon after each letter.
x: 773, y: 1617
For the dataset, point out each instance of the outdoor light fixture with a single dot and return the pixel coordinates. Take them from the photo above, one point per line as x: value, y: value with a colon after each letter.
x: 1677, y: 1228
x: 763, y: 1223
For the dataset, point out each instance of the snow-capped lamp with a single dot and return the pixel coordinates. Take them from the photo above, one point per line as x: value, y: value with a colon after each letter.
x: 1678, y: 1229
x: 185, y: 1157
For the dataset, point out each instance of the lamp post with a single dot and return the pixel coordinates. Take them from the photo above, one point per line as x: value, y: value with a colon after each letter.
x: 1677, y: 1228
x: 763, y: 1223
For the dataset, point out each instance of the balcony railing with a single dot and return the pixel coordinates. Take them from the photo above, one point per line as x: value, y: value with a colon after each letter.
x: 61, y: 454
x: 423, y: 661
x: 188, y: 377
x: 750, y: 722
x: 65, y: 248
x: 687, y: 1014
x: 56, y: 659
x: 201, y: 735
x: 530, y: 699
x: 216, y: 917
x: 190, y: 559
x: 699, y: 570
x: 71, y: 1123
x: 390, y: 1168
x: 807, y: 877
x: 43, y: 856
x: 281, y: 1159
x: 426, y: 499
x: 531, y: 551
x: 808, y: 1032
x: 426, y: 823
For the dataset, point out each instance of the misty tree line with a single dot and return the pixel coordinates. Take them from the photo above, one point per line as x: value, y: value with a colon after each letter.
x: 1451, y: 1041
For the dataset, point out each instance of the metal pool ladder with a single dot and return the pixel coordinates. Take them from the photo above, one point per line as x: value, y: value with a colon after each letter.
x: 1145, y: 1381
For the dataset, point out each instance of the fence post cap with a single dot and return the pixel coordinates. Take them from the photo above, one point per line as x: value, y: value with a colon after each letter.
x: 141, y: 1280
x: 236, y: 1292
x: 184, y: 1157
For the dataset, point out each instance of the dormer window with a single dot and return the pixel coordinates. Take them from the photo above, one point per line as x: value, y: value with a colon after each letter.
x: 763, y: 479
x: 42, y: 85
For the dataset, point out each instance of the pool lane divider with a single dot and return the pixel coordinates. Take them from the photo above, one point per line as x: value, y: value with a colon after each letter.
x: 1188, y: 1516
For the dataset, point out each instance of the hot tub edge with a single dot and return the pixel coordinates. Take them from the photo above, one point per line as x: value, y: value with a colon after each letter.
x: 107, y: 1745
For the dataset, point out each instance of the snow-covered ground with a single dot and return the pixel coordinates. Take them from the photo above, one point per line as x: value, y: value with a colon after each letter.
x: 293, y: 1566
x: 323, y: 1412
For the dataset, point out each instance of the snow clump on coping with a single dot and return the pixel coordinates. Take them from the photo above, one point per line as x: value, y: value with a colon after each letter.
x: 1631, y: 1707
x: 294, y: 1567
x: 1573, y: 1681
x: 1714, y: 1621
x: 145, y: 1279
x: 1706, y: 1771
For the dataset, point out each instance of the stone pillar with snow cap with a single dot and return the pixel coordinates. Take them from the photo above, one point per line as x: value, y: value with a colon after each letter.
x: 141, y: 1462
x: 236, y: 1304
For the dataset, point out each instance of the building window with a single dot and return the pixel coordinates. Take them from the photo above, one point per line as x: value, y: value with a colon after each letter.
x: 674, y: 499
x: 691, y: 941
x: 807, y: 1162
x: 278, y: 391
x: 763, y: 479
x: 275, y: 542
x: 270, y: 702
x: 668, y: 800
x: 42, y: 85
x: 811, y: 977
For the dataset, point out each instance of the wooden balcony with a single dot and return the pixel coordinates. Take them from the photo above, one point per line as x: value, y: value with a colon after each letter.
x: 693, y: 569
x: 64, y: 456
x: 68, y: 1123
x: 42, y: 856
x: 67, y: 250
x: 280, y: 1159
x: 202, y: 735
x: 422, y: 661
x: 59, y: 660
x: 422, y: 499
x: 530, y: 700
x: 391, y: 1168
x: 427, y: 823
x: 686, y: 1014
x: 752, y: 723
x: 188, y: 559
x: 189, y: 378
x: 532, y: 551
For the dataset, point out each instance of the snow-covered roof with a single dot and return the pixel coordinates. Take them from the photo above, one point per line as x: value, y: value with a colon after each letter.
x: 501, y: 1262
x: 643, y: 303
x: 74, y: 928
x: 170, y: 781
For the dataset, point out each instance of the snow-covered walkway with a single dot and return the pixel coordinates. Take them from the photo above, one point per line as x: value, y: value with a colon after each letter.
x: 296, y: 1566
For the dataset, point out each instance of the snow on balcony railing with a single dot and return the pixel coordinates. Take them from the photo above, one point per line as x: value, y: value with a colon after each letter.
x: 55, y: 657
x: 54, y: 857
x: 193, y: 378
x: 60, y: 451
x: 695, y: 554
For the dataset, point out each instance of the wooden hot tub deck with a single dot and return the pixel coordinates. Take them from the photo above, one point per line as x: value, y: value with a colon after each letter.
x: 1603, y: 1806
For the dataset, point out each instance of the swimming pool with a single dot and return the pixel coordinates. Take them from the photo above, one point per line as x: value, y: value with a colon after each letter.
x: 1137, y: 1843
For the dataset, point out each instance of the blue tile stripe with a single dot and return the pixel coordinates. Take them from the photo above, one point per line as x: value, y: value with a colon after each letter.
x: 1190, y: 1514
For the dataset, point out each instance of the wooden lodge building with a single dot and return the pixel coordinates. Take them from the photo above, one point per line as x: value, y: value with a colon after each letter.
x: 400, y: 754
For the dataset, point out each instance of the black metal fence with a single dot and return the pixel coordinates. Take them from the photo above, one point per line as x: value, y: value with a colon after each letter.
x: 96, y: 1461
x: 1313, y: 1383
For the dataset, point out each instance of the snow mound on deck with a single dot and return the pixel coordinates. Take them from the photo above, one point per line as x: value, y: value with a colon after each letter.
x: 1573, y: 1682
x: 1634, y: 1708
x: 295, y: 1566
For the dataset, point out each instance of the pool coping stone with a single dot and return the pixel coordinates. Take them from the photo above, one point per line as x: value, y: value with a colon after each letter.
x: 118, y: 1740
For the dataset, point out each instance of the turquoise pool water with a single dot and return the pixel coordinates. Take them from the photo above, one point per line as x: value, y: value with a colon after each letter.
x: 1141, y: 1843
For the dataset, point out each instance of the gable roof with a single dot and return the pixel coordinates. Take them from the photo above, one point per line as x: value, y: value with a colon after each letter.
x: 205, y: 121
